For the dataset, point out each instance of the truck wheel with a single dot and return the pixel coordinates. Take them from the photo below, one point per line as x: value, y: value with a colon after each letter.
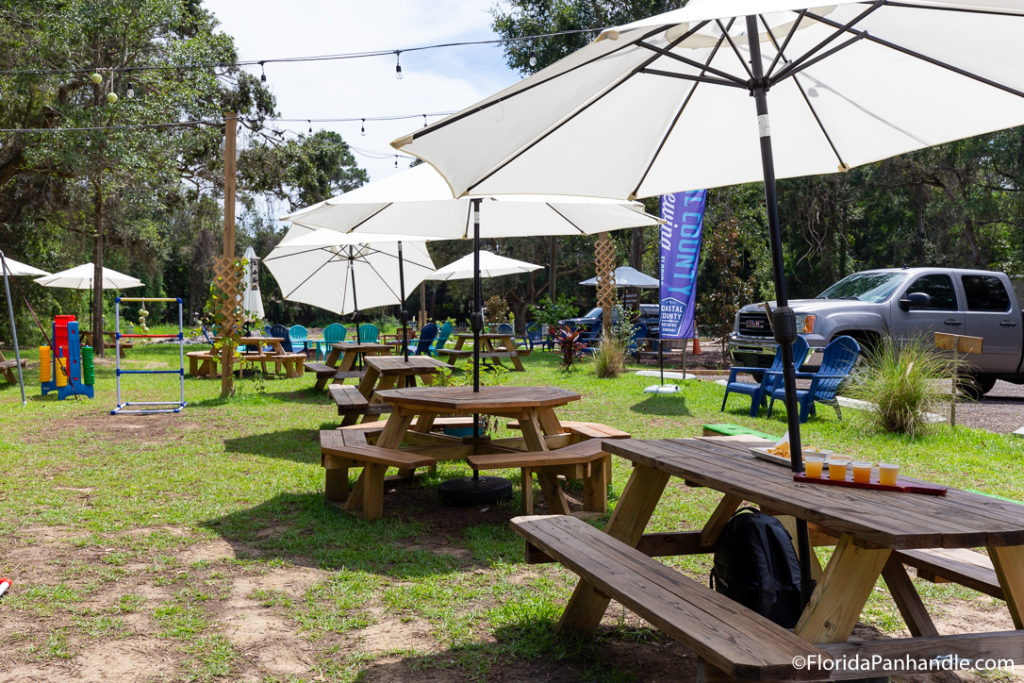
x: 974, y: 387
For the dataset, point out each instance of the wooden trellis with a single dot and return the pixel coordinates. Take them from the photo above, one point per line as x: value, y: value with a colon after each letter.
x: 604, y: 260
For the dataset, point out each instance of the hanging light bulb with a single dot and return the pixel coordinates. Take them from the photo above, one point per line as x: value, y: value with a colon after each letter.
x: 263, y: 75
x: 398, y: 64
x: 533, y: 55
x: 130, y: 90
x: 362, y: 127
x: 310, y: 122
x: 396, y: 161
x: 424, y: 120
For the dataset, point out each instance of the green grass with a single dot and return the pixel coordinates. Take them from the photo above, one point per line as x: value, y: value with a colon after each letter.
x: 177, y: 527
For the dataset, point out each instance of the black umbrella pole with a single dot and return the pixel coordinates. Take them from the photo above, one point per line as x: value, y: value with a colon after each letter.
x: 476, y: 318
x: 783, y: 318
x: 404, y: 314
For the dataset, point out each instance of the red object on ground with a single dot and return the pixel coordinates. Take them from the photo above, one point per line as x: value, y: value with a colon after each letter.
x: 4, y: 585
x: 60, y: 332
x: 696, y: 346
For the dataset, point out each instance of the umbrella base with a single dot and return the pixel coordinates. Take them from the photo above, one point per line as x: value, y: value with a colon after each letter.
x: 467, y: 491
x: 665, y: 389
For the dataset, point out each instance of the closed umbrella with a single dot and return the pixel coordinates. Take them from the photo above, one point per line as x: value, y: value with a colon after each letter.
x: 252, y: 301
x: 848, y: 83
x: 491, y: 265
x: 12, y: 268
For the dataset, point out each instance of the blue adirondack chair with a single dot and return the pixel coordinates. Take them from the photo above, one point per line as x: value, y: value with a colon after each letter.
x: 299, y: 338
x: 759, y: 391
x: 640, y: 334
x: 837, y: 360
x: 282, y: 332
x: 333, y: 334
x: 535, y: 336
x: 368, y: 333
x: 421, y: 345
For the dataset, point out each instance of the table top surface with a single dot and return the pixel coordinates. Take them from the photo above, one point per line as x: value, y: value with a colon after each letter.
x: 360, y: 346
x: 397, y: 365
x: 464, y: 399
x: 874, y: 518
x: 257, y: 340
x: 483, y: 335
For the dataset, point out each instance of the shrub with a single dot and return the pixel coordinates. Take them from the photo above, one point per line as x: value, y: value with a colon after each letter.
x: 569, y: 346
x: 609, y: 359
x: 548, y: 312
x: 904, y: 382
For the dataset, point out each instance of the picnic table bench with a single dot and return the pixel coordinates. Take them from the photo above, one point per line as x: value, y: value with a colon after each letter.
x: 494, y: 347
x: 8, y: 366
x: 342, y: 360
x: 87, y: 340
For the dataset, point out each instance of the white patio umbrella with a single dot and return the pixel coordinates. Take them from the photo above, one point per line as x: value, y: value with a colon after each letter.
x: 80, y: 277
x: 625, y: 276
x: 491, y: 265
x: 12, y: 268
x: 849, y: 83
x: 252, y: 301
x: 419, y: 202
x: 345, y: 273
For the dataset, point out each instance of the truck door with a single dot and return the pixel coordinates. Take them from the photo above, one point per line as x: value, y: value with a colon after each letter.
x: 941, y: 313
x: 992, y: 315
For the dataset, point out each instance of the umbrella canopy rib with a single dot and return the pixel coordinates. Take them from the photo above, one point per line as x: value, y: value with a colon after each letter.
x: 785, y: 43
x: 801, y: 62
x: 566, y: 218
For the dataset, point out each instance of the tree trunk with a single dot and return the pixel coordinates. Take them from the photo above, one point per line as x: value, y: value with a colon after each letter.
x: 553, y: 267
x: 97, y: 277
x: 636, y: 248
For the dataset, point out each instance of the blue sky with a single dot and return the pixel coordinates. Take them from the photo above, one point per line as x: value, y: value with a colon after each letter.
x: 434, y: 80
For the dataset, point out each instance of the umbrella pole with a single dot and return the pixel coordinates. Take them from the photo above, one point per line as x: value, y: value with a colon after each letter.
x: 14, y: 330
x: 783, y: 318
x: 476, y: 318
x: 404, y: 314
x: 355, y: 302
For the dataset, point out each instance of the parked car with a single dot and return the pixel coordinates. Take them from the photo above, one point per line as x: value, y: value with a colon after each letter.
x: 903, y: 304
x: 592, y: 318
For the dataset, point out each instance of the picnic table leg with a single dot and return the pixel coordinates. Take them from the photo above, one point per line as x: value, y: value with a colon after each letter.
x: 627, y: 523
x: 386, y: 382
x: 841, y: 593
x: 336, y: 484
x: 595, y: 486
x: 530, y: 426
x: 1008, y: 561
x: 723, y: 512
x: 394, y: 430
x: 918, y: 621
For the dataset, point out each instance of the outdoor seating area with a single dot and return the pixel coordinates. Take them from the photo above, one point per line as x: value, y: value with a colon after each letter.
x: 380, y: 404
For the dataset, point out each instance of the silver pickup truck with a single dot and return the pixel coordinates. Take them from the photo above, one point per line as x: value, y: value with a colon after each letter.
x: 905, y: 304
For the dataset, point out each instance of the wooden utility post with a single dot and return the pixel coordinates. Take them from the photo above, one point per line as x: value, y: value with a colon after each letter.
x: 227, y: 359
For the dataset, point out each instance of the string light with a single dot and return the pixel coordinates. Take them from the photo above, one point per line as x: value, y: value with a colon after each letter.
x: 263, y: 75
x: 424, y: 120
x: 396, y: 161
x: 130, y: 90
x: 398, y: 72
x: 310, y: 122
x: 533, y: 55
x: 362, y: 127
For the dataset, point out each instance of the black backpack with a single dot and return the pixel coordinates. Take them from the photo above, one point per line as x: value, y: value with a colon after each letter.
x: 756, y: 566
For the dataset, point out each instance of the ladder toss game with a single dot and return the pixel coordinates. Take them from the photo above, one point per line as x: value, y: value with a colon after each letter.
x: 147, y: 407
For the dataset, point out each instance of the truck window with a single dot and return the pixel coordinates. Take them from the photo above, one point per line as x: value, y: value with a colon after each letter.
x: 939, y: 288
x: 985, y: 293
x: 871, y: 287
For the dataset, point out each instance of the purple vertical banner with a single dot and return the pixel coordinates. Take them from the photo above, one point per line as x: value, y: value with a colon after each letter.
x: 683, y: 213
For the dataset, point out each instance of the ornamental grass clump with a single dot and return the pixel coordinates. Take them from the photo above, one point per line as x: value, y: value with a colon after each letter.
x: 609, y: 359
x: 904, y: 381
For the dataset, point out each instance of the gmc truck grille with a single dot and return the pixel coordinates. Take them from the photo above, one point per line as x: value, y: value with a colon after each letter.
x: 755, y: 325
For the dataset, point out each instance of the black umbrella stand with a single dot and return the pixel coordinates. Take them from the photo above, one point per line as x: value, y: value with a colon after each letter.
x: 783, y: 318
x: 403, y: 314
x: 355, y: 302
x: 475, y: 490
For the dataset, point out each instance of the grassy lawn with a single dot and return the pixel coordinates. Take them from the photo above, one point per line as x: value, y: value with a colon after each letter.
x: 197, y: 546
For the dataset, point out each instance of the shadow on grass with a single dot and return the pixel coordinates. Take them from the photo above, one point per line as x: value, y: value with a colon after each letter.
x: 304, y: 530
x: 663, y: 404
x: 533, y: 650
x: 298, y: 445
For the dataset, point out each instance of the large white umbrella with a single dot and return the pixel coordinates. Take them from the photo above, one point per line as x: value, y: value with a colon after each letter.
x: 419, y: 202
x: 491, y: 265
x: 252, y: 301
x: 664, y: 105
x: 12, y: 268
x: 80, y: 277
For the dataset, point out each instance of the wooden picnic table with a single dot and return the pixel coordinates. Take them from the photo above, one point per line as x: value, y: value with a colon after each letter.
x: 86, y: 339
x: 205, y: 363
x: 340, y: 363
x: 388, y: 372
x: 493, y: 347
x: 7, y: 367
x: 868, y: 527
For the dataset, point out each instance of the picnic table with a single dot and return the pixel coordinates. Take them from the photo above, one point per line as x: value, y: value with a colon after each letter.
x: 340, y: 363
x: 875, y: 533
x: 493, y: 347
x: 86, y: 339
x: 7, y: 367
x: 547, y: 447
x: 382, y: 373
x: 263, y: 350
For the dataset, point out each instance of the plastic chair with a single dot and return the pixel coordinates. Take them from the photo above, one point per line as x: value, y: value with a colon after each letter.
x: 640, y: 333
x: 333, y: 334
x: 442, y: 338
x: 368, y: 333
x: 282, y: 332
x: 421, y: 346
x: 299, y: 338
x: 837, y: 361
x: 759, y: 391
x: 535, y: 336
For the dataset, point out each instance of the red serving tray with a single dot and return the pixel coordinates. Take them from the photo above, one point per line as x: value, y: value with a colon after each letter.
x: 903, y: 485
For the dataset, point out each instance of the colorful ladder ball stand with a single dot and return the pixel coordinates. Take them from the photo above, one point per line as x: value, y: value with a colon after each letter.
x: 69, y: 372
x: 127, y: 407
